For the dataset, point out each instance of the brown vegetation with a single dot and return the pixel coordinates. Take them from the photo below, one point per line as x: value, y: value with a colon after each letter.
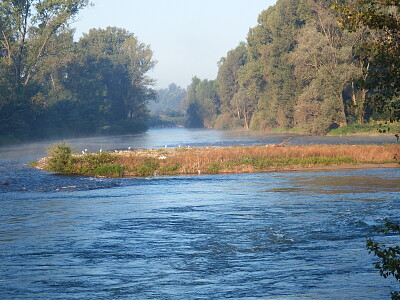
x: 213, y: 160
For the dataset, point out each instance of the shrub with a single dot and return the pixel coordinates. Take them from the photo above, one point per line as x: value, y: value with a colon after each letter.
x: 60, y: 158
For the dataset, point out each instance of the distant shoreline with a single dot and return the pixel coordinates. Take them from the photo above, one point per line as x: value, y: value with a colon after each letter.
x: 222, y: 160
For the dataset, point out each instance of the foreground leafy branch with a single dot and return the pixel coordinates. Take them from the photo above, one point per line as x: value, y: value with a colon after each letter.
x: 389, y: 264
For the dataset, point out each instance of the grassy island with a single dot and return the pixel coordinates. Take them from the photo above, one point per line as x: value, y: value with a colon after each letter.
x: 217, y: 160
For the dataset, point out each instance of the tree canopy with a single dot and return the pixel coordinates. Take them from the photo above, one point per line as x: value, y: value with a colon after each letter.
x: 300, y: 69
x: 380, y: 19
x: 53, y: 86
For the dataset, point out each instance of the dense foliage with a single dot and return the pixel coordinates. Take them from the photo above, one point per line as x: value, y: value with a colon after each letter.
x: 300, y: 69
x: 62, y: 160
x: 380, y: 20
x: 52, y: 86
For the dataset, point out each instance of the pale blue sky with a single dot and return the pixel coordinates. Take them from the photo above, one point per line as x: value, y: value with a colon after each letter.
x: 188, y: 37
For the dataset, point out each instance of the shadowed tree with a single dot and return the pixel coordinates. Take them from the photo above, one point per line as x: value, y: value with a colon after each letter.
x: 28, y: 38
x: 381, y: 20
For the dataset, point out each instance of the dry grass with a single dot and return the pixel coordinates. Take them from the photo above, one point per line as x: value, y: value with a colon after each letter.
x: 215, y: 160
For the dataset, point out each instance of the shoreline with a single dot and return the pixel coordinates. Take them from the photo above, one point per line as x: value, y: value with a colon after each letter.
x: 291, y: 169
x: 221, y: 160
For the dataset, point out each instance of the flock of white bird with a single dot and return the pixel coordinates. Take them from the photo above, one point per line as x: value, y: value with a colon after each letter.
x: 116, y: 151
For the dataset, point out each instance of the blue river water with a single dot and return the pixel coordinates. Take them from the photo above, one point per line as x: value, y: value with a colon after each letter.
x: 289, y: 235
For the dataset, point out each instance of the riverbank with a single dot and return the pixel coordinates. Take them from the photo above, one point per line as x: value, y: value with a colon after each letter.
x: 355, y: 129
x: 219, y: 160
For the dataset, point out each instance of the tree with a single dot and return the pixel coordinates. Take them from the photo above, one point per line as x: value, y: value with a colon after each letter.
x: 251, y: 84
x: 325, y: 69
x: 108, y: 78
x: 228, y: 75
x: 28, y: 38
x: 193, y: 112
x: 26, y: 31
x: 203, y: 103
x: 381, y: 19
x: 270, y: 43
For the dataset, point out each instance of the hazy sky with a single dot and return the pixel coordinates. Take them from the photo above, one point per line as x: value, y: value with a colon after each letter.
x: 188, y: 37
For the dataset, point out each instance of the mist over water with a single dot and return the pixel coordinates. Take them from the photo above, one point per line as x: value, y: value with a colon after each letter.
x: 184, y: 137
x: 248, y: 236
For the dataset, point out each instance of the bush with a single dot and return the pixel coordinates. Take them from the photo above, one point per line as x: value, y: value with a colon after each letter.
x: 60, y: 158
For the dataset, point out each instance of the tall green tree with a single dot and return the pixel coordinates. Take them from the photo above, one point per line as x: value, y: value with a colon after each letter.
x: 324, y: 68
x: 193, y: 112
x: 270, y: 44
x: 203, y: 103
x: 27, y: 33
x: 228, y: 75
x: 108, y: 78
x: 381, y: 20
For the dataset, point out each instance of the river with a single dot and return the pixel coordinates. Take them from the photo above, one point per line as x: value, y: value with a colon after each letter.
x: 289, y: 235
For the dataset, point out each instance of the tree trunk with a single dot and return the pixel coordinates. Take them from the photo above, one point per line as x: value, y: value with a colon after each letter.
x: 342, y: 122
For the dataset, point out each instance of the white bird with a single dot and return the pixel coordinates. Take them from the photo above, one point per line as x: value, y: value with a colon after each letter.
x: 165, y: 146
x: 101, y: 150
x: 129, y: 148
x: 83, y: 152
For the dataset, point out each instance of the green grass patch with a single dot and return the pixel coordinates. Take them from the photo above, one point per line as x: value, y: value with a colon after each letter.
x: 148, y: 167
x: 109, y: 170
x: 261, y: 163
x: 367, y: 129
x: 169, y: 169
x: 96, y: 158
x: 214, y: 168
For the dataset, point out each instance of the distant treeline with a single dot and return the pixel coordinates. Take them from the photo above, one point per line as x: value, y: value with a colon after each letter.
x: 308, y: 64
x: 169, y: 107
x: 169, y: 101
x: 53, y: 86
